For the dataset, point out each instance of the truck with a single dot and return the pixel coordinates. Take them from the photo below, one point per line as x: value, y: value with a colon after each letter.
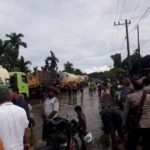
x: 14, y: 79
x: 4, y: 78
x: 66, y: 78
x: 40, y: 79
x: 19, y: 79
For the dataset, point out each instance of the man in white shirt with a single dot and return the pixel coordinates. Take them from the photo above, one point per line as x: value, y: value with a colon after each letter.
x: 50, y: 110
x: 13, y: 124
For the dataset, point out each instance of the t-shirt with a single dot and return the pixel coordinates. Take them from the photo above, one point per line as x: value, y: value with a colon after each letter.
x: 51, y: 105
x: 13, y: 121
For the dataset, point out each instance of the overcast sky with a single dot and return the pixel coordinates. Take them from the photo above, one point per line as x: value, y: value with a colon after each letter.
x: 79, y: 31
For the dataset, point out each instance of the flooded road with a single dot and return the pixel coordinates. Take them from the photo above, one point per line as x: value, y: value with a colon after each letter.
x: 91, y: 107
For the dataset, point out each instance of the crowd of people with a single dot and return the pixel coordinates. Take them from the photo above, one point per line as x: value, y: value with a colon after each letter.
x: 16, y: 118
x: 126, y: 112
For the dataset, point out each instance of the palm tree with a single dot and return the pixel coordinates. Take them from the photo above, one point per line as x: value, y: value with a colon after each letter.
x: 12, y: 50
x: 15, y: 40
x: 23, y: 65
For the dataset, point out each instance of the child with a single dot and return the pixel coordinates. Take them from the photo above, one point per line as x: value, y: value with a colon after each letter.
x: 83, y: 125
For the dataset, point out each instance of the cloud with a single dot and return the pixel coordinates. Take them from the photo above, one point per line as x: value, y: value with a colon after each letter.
x: 79, y: 31
x: 98, y: 69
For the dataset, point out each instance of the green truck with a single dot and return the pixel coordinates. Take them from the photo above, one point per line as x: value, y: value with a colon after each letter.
x: 14, y: 79
x: 19, y: 79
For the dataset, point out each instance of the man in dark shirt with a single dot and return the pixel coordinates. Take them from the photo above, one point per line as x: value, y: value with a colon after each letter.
x: 19, y: 100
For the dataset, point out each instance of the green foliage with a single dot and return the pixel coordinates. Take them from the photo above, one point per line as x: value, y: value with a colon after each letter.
x: 78, y: 72
x: 117, y: 60
x: 9, y: 53
x: 15, y: 40
x: 112, y: 74
x: 68, y: 67
x: 2, y: 47
x: 23, y: 65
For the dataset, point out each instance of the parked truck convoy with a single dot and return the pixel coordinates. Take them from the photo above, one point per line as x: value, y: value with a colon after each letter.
x: 32, y: 84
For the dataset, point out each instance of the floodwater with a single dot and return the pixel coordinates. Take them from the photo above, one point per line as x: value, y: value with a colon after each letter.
x: 91, y: 107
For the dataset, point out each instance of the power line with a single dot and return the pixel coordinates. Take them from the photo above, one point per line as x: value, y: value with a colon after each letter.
x: 123, y: 6
x: 144, y: 14
x: 116, y: 9
x: 113, y: 33
x: 122, y: 49
x: 136, y: 7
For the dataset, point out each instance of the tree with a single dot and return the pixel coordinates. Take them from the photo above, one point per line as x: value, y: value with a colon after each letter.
x: 15, y: 40
x: 68, y: 67
x: 117, y: 60
x: 2, y: 47
x: 10, y: 59
x: 23, y: 65
x: 9, y: 53
x: 78, y: 72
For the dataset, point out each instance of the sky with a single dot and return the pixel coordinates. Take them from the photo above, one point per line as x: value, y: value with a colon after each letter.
x: 79, y: 31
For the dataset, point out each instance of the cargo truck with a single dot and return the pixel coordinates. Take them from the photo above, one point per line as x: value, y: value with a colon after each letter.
x: 40, y: 79
x: 19, y: 79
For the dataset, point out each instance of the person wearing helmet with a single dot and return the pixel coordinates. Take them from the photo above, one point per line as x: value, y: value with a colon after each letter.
x: 83, y: 125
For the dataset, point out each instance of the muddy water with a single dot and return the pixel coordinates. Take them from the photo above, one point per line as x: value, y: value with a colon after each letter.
x: 91, y: 107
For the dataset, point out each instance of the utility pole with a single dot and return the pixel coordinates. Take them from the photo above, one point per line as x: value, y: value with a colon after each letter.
x: 139, y: 49
x: 127, y: 37
x: 138, y: 40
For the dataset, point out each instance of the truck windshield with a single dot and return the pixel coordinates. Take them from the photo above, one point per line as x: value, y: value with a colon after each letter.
x: 13, y: 80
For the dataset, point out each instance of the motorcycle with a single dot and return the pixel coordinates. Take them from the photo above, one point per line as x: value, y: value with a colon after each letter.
x: 62, y: 134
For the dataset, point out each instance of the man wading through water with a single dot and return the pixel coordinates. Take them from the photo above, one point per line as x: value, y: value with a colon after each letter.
x: 50, y: 109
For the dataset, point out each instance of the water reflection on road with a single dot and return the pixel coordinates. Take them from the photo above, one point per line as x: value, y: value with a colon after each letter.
x: 91, y: 107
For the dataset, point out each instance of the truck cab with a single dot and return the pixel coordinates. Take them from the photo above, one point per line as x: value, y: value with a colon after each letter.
x: 19, y: 79
x: 4, y: 78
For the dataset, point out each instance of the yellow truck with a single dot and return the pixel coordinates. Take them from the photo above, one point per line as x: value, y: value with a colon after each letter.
x: 39, y: 79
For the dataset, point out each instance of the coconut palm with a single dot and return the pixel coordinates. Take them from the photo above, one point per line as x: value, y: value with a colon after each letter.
x: 23, y: 65
x: 11, y: 55
x: 15, y: 40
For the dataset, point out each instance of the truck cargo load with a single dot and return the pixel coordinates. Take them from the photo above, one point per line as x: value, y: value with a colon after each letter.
x: 39, y: 79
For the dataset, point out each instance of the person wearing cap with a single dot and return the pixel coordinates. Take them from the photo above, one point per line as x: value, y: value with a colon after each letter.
x: 50, y: 110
